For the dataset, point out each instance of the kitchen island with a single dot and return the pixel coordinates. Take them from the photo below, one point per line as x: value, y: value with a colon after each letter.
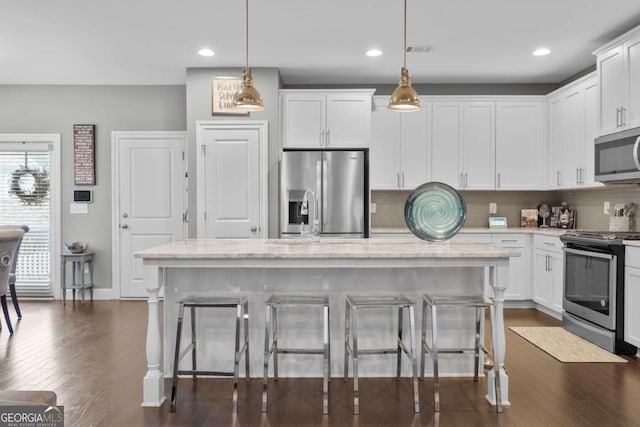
x: 257, y: 268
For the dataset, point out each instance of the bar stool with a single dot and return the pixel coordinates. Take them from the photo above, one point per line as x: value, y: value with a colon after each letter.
x: 271, y: 340
x: 432, y: 303
x: 355, y: 303
x: 242, y: 309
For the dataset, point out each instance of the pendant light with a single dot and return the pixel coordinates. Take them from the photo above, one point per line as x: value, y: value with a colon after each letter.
x: 247, y: 98
x: 404, y: 98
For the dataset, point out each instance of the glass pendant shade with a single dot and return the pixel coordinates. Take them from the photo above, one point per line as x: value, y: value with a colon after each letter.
x: 404, y: 97
x: 247, y: 97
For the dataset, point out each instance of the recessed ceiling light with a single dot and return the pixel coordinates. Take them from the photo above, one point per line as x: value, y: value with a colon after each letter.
x: 541, y: 51
x: 206, y: 52
x: 374, y: 52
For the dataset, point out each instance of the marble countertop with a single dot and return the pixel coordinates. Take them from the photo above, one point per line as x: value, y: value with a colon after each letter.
x: 328, y: 248
x: 479, y: 230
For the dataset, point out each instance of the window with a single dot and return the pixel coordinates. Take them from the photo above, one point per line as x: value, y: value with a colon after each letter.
x: 25, y: 199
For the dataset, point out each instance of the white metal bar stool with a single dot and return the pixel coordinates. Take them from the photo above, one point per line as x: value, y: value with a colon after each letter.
x: 241, y: 306
x: 271, y: 346
x: 356, y: 303
x: 430, y: 307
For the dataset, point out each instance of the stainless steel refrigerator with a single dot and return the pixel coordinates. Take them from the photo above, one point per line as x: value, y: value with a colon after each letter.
x: 339, y: 181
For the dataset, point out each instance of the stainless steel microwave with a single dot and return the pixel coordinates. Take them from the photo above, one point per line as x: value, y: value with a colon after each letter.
x: 617, y: 157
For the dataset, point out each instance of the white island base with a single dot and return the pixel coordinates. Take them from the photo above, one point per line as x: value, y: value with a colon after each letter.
x: 259, y: 268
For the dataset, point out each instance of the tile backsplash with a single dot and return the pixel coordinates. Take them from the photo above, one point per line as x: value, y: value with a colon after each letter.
x: 589, y: 205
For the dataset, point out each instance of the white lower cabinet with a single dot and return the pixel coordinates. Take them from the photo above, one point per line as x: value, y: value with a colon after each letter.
x: 548, y: 272
x: 632, y: 296
x: 518, y: 274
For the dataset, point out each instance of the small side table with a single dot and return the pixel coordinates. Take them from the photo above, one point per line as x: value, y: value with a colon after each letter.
x: 78, y: 262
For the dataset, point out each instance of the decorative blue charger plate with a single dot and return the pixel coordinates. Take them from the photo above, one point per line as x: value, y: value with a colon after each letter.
x: 435, y: 212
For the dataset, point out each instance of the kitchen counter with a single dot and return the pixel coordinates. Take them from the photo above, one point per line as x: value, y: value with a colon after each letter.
x: 258, y: 268
x: 479, y: 230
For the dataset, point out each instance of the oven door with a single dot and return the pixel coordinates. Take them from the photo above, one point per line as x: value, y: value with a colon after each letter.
x: 590, y: 285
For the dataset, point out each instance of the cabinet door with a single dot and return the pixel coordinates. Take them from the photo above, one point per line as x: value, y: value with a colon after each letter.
x: 415, y: 148
x: 556, y: 139
x: 556, y: 265
x: 573, y: 146
x: 384, y: 154
x: 478, y: 146
x: 631, y: 312
x: 631, y: 117
x: 303, y: 121
x: 518, y: 274
x: 348, y: 121
x: 541, y: 286
x: 519, y: 145
x: 591, y: 132
x: 447, y: 133
x: 611, y: 86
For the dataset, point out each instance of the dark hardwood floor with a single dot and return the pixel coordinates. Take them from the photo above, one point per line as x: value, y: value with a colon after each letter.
x: 93, y: 357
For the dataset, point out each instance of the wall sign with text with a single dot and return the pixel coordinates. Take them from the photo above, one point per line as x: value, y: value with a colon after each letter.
x: 84, y: 170
x: 222, y: 91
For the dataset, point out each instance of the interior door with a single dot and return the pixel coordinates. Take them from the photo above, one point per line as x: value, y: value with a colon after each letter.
x: 151, y: 192
x: 230, y: 163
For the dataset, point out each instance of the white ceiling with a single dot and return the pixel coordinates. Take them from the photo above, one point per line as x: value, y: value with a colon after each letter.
x: 310, y: 41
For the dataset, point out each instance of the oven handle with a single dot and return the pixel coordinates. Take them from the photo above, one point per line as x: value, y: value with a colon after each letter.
x: 589, y: 253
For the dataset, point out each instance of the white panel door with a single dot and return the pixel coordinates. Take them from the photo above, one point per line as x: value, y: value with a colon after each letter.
x: 416, y: 147
x: 231, y: 178
x: 631, y: 312
x: 478, y: 146
x: 348, y: 121
x: 303, y: 121
x: 447, y: 133
x: 610, y: 72
x: 632, y: 61
x: 573, y: 146
x: 556, y: 142
x: 591, y: 131
x: 519, y: 145
x: 151, y: 191
x: 384, y: 153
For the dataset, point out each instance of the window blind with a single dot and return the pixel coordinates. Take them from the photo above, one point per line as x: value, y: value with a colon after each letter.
x: 24, y: 199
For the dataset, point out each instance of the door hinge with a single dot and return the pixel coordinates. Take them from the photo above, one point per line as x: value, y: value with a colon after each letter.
x: 204, y: 149
x: 183, y: 155
x: 186, y: 174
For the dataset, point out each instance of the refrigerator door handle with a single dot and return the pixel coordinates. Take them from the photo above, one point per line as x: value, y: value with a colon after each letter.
x: 325, y: 196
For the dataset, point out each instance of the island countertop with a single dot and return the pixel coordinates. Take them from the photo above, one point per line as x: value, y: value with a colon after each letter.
x: 326, y: 249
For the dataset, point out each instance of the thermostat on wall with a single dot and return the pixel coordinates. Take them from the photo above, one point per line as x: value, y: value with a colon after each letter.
x: 82, y: 196
x: 497, y: 222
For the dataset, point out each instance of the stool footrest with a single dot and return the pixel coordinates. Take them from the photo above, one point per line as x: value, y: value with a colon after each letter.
x: 377, y: 351
x: 300, y: 351
x: 211, y: 373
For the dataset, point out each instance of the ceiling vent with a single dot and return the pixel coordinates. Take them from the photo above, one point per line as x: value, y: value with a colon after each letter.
x: 420, y: 49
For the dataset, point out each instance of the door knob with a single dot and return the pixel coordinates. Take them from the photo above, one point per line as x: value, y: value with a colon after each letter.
x: 124, y: 226
x: 254, y: 229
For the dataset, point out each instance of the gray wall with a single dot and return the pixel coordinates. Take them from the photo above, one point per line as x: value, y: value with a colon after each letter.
x: 267, y: 81
x: 55, y: 109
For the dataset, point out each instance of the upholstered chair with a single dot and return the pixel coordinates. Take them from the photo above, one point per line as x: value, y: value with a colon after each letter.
x: 9, y: 241
x: 12, y: 275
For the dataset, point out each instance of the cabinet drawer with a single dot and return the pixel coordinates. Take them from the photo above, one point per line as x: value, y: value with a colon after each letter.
x: 547, y: 243
x: 632, y: 256
x: 510, y: 241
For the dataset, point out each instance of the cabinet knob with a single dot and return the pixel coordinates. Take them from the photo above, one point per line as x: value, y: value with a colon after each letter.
x: 254, y: 229
x: 124, y: 226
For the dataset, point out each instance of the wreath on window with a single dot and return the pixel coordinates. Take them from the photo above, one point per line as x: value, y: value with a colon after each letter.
x: 30, y: 185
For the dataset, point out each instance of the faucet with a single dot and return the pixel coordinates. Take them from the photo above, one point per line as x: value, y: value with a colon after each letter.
x: 304, y: 210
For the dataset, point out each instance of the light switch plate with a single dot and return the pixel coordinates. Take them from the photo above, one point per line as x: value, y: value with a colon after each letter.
x: 78, y: 208
x: 607, y: 206
x: 493, y: 208
x: 373, y: 208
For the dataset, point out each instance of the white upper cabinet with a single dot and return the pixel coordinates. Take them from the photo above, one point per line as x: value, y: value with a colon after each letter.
x: 618, y: 67
x: 446, y: 162
x: 520, y: 145
x: 478, y: 146
x: 321, y: 119
x: 464, y: 144
x: 399, y: 153
x: 572, y: 130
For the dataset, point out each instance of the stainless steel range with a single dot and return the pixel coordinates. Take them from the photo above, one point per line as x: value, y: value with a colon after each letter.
x: 593, y: 297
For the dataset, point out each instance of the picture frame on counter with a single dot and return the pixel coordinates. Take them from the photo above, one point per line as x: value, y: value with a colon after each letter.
x: 223, y: 90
